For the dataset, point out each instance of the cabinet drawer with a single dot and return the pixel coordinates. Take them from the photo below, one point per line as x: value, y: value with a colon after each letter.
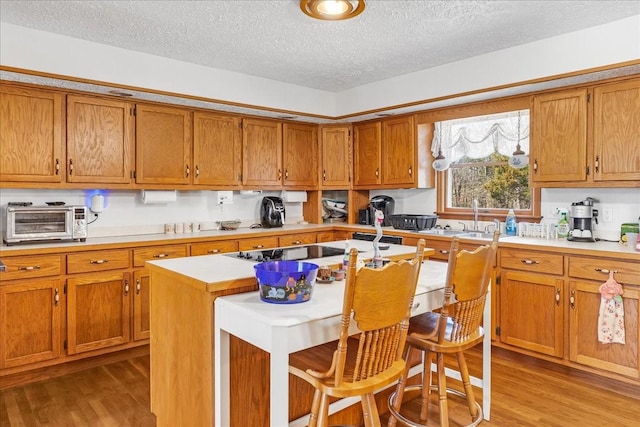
x: 298, y: 239
x: 260, y: 243
x: 212, y: 248
x: 539, y: 262
x: 26, y: 267
x: 155, y: 253
x: 627, y: 272
x: 98, y: 261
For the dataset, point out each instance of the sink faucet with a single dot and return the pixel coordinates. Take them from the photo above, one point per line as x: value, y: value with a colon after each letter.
x: 474, y: 206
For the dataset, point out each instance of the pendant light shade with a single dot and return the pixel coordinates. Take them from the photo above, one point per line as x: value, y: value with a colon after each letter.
x: 332, y: 10
x: 519, y: 159
x: 440, y: 163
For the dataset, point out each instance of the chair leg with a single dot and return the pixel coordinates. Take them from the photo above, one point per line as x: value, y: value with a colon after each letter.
x: 426, y: 386
x: 468, y: 390
x: 370, y: 411
x: 323, y: 416
x: 402, y: 383
x: 315, y: 408
x: 442, y: 392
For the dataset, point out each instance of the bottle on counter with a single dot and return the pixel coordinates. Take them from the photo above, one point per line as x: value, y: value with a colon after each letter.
x: 510, y: 224
x: 563, y: 226
x: 345, y: 258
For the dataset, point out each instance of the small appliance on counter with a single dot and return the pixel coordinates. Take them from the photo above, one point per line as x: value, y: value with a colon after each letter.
x: 583, y: 218
x: 385, y: 204
x: 272, y: 212
x: 24, y: 223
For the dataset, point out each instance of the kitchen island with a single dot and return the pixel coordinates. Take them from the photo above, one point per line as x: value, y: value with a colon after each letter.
x: 183, y: 351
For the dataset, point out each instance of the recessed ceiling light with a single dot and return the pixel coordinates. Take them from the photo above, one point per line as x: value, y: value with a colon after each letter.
x: 332, y: 10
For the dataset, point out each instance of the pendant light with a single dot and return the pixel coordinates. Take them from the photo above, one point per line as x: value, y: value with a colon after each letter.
x: 332, y: 10
x: 440, y: 163
x: 519, y: 159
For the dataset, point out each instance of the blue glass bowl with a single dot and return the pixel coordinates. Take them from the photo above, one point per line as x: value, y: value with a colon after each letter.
x: 286, y: 282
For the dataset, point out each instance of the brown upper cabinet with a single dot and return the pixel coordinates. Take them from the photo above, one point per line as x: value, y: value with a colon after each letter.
x: 587, y: 136
x: 100, y: 144
x: 385, y: 154
x: 276, y: 155
x: 217, y: 150
x: 163, y: 145
x: 31, y: 135
x: 335, y: 156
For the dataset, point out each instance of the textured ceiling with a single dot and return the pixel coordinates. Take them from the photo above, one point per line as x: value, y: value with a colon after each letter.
x: 275, y: 40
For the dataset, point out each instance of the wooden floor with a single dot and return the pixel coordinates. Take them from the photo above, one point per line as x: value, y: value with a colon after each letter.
x: 526, y: 392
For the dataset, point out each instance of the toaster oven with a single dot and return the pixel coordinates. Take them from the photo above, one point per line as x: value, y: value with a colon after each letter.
x: 44, y: 223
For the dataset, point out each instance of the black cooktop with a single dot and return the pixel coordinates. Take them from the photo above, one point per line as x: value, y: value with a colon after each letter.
x: 296, y: 253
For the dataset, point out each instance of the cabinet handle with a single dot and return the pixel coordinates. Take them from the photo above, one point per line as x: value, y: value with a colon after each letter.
x: 213, y: 251
x: 56, y: 298
x: 535, y: 166
x: 257, y: 247
x: 597, y: 164
x: 29, y: 268
x: 529, y: 261
x: 279, y: 174
x: 604, y: 270
x: 197, y: 172
x: 161, y: 255
x: 70, y: 166
x: 99, y: 261
x: 572, y: 300
x: 286, y: 174
x: 558, y: 296
x: 138, y: 286
x: 324, y: 174
x: 297, y: 242
x: 410, y: 171
x: 444, y: 252
x: 126, y: 287
x: 187, y: 172
x: 377, y: 172
x: 57, y: 167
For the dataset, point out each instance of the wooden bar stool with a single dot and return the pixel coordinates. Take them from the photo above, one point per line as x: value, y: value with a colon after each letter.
x: 455, y: 329
x: 379, y: 302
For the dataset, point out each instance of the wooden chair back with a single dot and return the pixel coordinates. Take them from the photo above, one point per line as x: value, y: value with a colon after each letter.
x: 468, y: 280
x: 379, y: 302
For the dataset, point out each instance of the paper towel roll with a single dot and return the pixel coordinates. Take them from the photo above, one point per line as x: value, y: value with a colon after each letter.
x: 158, y: 196
x: 294, y: 196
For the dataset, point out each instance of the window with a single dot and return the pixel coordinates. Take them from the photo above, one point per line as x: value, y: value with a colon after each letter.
x: 478, y: 149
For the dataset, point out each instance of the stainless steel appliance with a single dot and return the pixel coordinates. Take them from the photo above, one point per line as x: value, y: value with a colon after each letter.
x: 295, y: 253
x: 583, y: 217
x: 385, y: 204
x: 272, y: 212
x: 24, y: 224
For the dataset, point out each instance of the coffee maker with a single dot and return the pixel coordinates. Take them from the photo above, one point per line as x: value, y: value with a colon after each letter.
x: 385, y: 204
x: 582, y: 222
x: 272, y: 212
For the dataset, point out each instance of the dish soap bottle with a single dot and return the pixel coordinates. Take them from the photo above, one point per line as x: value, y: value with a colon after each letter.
x: 510, y: 224
x: 345, y: 258
x: 563, y: 225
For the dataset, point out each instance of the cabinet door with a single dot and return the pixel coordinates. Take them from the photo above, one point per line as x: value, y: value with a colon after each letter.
x: 559, y: 136
x: 99, y: 140
x: 98, y: 311
x: 31, y: 121
x: 531, y: 312
x: 163, y: 145
x: 367, y: 155
x: 300, y: 155
x: 29, y: 322
x: 583, y: 329
x: 335, y: 147
x: 399, y: 152
x: 217, y: 149
x: 616, y: 132
x: 261, y: 153
x: 141, y: 321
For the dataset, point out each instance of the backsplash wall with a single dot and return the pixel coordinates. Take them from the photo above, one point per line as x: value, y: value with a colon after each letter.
x: 125, y: 214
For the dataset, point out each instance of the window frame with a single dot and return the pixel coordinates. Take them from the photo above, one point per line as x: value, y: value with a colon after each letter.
x: 441, y: 178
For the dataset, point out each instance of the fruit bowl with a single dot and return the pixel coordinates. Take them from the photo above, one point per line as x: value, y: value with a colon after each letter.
x: 286, y: 282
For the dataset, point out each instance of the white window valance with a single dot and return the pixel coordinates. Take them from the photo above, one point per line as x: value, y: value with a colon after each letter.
x: 480, y: 136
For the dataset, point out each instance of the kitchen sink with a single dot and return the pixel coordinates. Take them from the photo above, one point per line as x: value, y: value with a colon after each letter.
x: 442, y: 232
x: 478, y: 235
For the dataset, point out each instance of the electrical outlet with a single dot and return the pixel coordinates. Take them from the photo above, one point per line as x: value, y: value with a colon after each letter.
x: 607, y: 215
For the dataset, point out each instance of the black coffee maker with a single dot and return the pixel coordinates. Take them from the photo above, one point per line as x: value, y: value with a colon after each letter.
x: 385, y: 204
x: 272, y: 212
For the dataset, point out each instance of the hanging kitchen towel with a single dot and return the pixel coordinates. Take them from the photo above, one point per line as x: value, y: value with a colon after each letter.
x: 611, y: 316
